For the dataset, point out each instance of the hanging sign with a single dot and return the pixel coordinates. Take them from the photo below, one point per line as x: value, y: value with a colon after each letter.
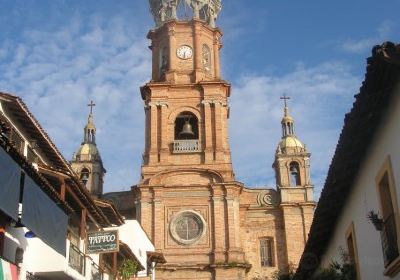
x: 102, y: 242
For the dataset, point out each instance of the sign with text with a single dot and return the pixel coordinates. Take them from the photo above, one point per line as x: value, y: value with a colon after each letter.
x: 102, y: 242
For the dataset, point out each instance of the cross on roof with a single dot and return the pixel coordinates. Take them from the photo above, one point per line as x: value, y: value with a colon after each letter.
x: 285, y: 98
x: 91, y: 105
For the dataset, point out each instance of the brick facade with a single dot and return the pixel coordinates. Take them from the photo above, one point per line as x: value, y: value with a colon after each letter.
x: 192, y: 190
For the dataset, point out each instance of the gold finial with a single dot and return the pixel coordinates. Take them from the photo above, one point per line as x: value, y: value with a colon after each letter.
x: 91, y: 105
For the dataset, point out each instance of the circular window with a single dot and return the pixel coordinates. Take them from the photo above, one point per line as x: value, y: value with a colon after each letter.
x: 187, y: 227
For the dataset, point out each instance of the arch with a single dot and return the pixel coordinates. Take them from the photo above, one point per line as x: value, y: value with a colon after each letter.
x: 206, y: 58
x: 163, y: 62
x: 172, y: 116
x: 294, y: 174
x: 186, y: 126
x: 84, y: 175
x: 191, y: 175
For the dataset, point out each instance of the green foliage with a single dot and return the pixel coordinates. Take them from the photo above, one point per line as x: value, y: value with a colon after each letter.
x: 287, y: 274
x: 343, y: 270
x: 232, y: 264
x: 128, y: 269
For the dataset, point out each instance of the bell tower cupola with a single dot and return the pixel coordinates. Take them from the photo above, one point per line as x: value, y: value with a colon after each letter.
x: 185, y: 40
x: 87, y: 162
x: 292, y: 163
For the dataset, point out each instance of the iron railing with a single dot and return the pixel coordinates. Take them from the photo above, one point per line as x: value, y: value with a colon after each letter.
x: 30, y: 276
x: 389, y: 240
x: 95, y: 272
x: 76, y: 259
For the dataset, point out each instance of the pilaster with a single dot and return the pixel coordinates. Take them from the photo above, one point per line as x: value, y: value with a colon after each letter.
x: 216, y: 47
x: 219, y: 224
x: 235, y: 252
x: 164, y: 150
x: 208, y: 132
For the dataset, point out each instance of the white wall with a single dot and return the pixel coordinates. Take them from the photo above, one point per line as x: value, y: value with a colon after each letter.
x: 132, y: 234
x: 364, y: 198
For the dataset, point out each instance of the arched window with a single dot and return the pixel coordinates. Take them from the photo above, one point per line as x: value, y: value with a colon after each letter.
x: 184, y: 11
x: 294, y: 172
x: 186, y: 126
x: 206, y: 58
x: 163, y: 63
x: 84, y: 176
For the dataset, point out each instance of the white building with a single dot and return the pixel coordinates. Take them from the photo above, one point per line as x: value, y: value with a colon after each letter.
x: 54, y: 206
x: 364, y: 176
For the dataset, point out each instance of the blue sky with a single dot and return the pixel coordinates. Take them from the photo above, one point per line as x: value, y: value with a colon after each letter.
x: 59, y: 54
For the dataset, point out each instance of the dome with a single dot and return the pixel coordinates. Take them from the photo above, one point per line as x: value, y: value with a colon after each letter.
x: 87, y: 151
x: 292, y: 143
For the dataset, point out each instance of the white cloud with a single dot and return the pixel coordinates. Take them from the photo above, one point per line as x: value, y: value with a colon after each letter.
x: 365, y: 44
x: 58, y: 73
x: 319, y: 97
x: 107, y: 60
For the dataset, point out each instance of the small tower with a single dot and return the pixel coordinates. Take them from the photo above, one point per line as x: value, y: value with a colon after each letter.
x: 86, y: 162
x: 292, y: 169
x: 292, y: 163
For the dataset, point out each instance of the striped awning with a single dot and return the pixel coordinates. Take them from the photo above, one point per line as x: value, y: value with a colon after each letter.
x: 8, y: 271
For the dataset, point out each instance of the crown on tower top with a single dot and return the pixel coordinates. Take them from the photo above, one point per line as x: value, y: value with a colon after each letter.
x: 164, y: 10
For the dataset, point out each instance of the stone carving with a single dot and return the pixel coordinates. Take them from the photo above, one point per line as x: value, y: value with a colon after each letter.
x: 267, y: 198
x: 164, y: 10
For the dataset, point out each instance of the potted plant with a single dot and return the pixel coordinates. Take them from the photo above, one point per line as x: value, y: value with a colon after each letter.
x: 375, y: 220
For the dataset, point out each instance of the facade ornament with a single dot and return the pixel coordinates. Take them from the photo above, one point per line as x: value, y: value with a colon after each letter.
x: 164, y: 10
x: 267, y: 198
x: 156, y: 104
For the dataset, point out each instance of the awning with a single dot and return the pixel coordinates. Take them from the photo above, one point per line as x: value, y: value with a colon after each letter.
x: 8, y: 271
x: 42, y: 216
x: 10, y: 176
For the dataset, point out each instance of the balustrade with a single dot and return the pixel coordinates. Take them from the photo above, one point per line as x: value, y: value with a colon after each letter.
x: 186, y: 146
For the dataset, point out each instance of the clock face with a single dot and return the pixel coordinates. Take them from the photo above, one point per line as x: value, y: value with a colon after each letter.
x: 184, y: 52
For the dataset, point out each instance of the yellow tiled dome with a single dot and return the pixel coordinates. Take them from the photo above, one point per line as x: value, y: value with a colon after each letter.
x: 290, y: 141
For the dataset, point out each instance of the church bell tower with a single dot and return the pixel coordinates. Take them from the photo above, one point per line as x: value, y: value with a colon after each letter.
x: 188, y: 199
x: 292, y: 171
x: 87, y: 162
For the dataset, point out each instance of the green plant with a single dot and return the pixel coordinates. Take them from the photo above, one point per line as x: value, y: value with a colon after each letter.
x: 343, y: 270
x: 285, y: 274
x: 232, y: 264
x: 128, y: 269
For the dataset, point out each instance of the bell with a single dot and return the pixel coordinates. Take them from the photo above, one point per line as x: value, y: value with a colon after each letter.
x: 186, y: 129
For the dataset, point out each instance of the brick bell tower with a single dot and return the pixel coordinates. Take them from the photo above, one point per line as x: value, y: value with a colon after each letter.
x: 292, y: 169
x: 188, y: 200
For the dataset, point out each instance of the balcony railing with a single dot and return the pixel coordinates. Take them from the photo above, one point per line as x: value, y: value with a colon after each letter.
x: 30, y: 276
x: 186, y: 146
x: 95, y: 272
x: 389, y: 240
x: 76, y: 259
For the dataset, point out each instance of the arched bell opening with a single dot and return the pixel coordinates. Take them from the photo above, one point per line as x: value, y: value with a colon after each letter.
x: 184, y: 11
x: 294, y: 173
x: 186, y: 126
x: 84, y: 176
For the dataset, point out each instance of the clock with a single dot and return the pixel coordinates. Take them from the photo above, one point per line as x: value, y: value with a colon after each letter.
x: 184, y: 52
